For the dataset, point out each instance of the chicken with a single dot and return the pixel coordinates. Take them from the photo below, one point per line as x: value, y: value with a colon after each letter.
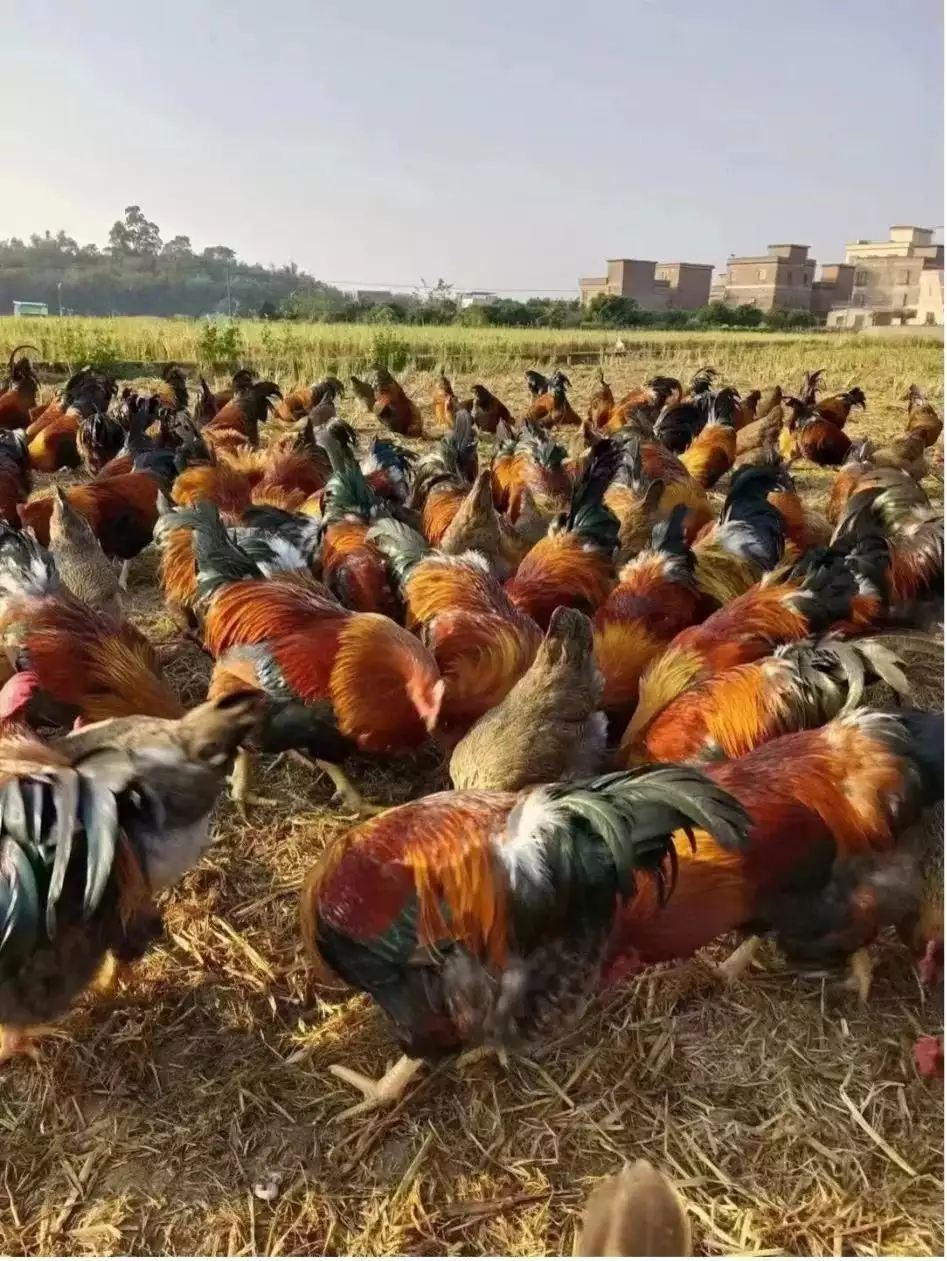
x: 120, y: 811
x: 297, y: 403
x: 837, y: 407
x: 679, y: 423
x: 88, y: 661
x: 488, y: 411
x: 172, y: 392
x: 602, y: 401
x: 481, y: 642
x: 99, y: 439
x: 812, y: 437
x: 649, y: 484
x: 553, y: 409
x: 644, y: 405
x: 483, y: 918
x: 813, y: 597
x: 823, y: 804
x: 636, y: 1213
x: 536, y: 383
x: 335, y: 680
x: 572, y: 566
x: 443, y: 477
x: 444, y: 401
x: 803, y: 685
x: 770, y: 399
x: 52, y: 437
x: 238, y: 421
x: 760, y: 433
x: 702, y: 382
x: 475, y: 527
x: 713, y: 451
x: 80, y: 561
x: 922, y: 417
x: 388, y: 469
x: 537, y: 464
x: 122, y: 510
x: 734, y: 553
x: 353, y: 569
x: 805, y: 527
x: 362, y: 390
x: 655, y: 597
x: 18, y: 397
x: 914, y: 532
x: 393, y: 408
x: 15, y: 479
x: 550, y: 726
x: 906, y: 451
x: 206, y: 406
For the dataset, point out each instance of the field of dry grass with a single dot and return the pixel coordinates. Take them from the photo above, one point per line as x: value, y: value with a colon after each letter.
x: 193, y: 1110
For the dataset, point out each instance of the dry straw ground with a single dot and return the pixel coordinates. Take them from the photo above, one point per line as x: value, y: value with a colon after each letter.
x: 793, y: 1120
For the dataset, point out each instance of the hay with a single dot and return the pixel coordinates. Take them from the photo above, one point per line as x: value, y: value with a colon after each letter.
x: 193, y: 1110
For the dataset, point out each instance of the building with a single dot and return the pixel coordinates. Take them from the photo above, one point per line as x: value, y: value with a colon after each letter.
x: 887, y: 281
x: 832, y: 289
x: 476, y: 297
x: 30, y: 308
x: 930, y: 300
x: 373, y: 297
x: 654, y: 286
x: 780, y: 279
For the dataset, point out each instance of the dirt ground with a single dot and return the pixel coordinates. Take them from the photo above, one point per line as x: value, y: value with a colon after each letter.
x: 193, y: 1110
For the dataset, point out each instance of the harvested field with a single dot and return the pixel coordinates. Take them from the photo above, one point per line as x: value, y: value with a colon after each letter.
x: 192, y: 1112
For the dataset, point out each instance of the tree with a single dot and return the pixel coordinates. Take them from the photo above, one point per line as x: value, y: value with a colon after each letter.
x: 134, y: 235
x: 177, y: 247
x: 219, y: 254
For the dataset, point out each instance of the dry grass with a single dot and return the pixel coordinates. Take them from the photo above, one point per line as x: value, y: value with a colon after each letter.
x: 792, y: 1120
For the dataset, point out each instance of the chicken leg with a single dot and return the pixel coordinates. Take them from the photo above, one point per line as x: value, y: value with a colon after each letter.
x: 240, y: 785
x: 123, y: 572
x: 15, y: 1040
x: 344, y: 787
x: 386, y: 1090
x: 860, y: 970
x: 737, y: 962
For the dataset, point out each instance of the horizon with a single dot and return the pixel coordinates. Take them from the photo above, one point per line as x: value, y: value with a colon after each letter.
x: 375, y: 149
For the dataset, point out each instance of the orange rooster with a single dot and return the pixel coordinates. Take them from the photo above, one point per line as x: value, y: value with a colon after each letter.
x: 487, y: 411
x: 481, y: 642
x: 819, y: 593
x: 553, y: 408
x: 297, y: 403
x: 445, y: 402
x: 640, y: 408
x: 52, y: 437
x: 813, y: 437
x: 922, y: 417
x: 535, y: 462
x: 649, y: 484
x: 837, y: 407
x: 713, y: 451
x: 443, y: 477
x: 654, y: 599
x: 18, y: 399
x: 353, y: 568
x: 572, y: 566
x: 336, y: 681
x: 238, y: 421
x: 393, y: 407
x: 602, y: 402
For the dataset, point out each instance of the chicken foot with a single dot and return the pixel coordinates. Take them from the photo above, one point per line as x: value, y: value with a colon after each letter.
x: 860, y: 971
x: 385, y: 1090
x: 240, y: 785
x: 18, y: 1041
x: 344, y: 787
x: 736, y: 963
x: 123, y: 572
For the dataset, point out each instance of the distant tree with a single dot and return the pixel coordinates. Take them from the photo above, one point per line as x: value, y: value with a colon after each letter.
x: 218, y: 254
x: 134, y: 234
x: 177, y: 247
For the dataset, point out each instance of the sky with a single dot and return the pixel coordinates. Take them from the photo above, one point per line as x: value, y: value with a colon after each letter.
x: 505, y: 146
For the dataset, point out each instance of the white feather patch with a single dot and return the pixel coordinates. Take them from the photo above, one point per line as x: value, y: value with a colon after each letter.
x: 530, y: 827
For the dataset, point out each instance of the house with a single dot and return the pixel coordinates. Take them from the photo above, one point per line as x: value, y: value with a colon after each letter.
x: 930, y: 298
x: 887, y: 282
x: 477, y: 297
x: 654, y: 286
x: 30, y: 308
x: 780, y: 279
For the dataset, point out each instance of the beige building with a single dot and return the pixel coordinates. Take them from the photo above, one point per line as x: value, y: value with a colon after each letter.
x: 930, y: 298
x: 887, y: 281
x: 654, y: 286
x: 782, y: 278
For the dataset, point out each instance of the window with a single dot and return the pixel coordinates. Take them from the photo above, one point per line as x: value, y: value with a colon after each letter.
x: 858, y: 299
x: 861, y: 278
x: 904, y: 278
x: 904, y: 299
x: 762, y: 274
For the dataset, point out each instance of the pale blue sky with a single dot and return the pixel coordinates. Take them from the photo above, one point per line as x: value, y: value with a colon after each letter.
x: 501, y: 145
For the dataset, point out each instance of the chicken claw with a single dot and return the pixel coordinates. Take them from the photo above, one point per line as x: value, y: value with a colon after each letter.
x: 123, y: 573
x: 240, y: 785
x: 344, y: 787
x: 16, y: 1041
x: 860, y: 970
x: 386, y: 1090
x: 739, y: 960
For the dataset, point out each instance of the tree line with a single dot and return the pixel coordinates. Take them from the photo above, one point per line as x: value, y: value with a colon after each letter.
x: 138, y: 273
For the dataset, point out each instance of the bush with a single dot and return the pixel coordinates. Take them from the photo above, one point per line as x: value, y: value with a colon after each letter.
x: 219, y: 344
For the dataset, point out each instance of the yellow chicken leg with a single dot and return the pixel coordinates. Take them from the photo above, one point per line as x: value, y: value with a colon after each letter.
x: 386, y: 1090
x: 17, y: 1041
x: 860, y: 971
x: 240, y: 785
x: 343, y: 785
x: 736, y: 963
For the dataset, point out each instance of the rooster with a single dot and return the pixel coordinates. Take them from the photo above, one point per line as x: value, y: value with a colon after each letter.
x: 297, y: 403
x: 15, y: 479
x: 445, y: 402
x: 335, y: 680
x: 238, y: 421
x: 656, y: 596
x: 393, y: 408
x: 18, y: 398
x: 536, y: 383
x: 572, y: 566
x: 172, y: 392
x: 89, y: 662
x: 748, y: 540
x: 537, y: 464
x: 678, y: 424
x: 644, y: 405
x: 120, y: 811
x: 819, y: 593
x: 553, y: 408
x: 99, y: 439
x: 837, y: 407
x: 487, y: 411
x: 443, y: 478
x: 922, y: 417
x: 52, y: 437
x: 713, y: 451
x: 601, y: 403
x: 803, y: 685
x: 353, y: 569
x: 481, y: 642
x: 813, y: 437
x: 388, y: 469
x: 649, y: 483
x: 483, y: 918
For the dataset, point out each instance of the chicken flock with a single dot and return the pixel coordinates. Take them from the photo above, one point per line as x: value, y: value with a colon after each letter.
x: 674, y: 700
